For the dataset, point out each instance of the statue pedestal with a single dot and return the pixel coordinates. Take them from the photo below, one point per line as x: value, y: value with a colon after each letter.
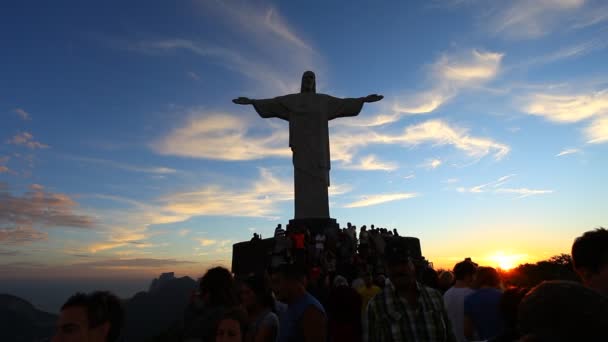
x: 316, y: 225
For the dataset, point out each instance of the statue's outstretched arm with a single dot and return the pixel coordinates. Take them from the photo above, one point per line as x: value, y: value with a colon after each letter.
x: 267, y: 108
x: 243, y: 101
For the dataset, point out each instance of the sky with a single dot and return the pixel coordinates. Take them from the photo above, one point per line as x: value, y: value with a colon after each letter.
x: 122, y: 155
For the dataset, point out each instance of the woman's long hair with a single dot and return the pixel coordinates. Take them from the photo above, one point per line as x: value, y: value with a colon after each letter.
x: 218, y: 286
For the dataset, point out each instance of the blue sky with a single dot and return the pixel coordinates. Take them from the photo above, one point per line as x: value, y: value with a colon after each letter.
x: 122, y: 155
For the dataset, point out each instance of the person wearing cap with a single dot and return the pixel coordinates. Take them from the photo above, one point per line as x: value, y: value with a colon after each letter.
x: 406, y: 310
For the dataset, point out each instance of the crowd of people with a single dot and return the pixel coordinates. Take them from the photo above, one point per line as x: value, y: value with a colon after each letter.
x: 380, y: 293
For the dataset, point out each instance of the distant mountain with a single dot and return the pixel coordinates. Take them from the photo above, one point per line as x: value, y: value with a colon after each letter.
x: 151, y: 313
x: 20, y: 321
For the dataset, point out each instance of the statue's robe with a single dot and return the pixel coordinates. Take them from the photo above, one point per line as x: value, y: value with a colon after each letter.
x: 308, y: 115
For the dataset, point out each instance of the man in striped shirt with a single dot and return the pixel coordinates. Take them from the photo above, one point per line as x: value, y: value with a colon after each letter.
x: 406, y: 310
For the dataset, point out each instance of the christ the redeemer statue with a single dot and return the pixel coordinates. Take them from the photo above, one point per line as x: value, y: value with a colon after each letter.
x: 308, y: 114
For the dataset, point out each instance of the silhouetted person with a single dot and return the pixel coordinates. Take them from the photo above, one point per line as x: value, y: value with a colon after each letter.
x: 406, y: 310
x: 560, y: 311
x: 454, y: 297
x: 344, y: 312
x: 305, y: 318
x: 367, y: 291
x: 95, y: 317
x: 256, y: 297
x: 279, y: 231
x: 231, y: 326
x: 509, y: 304
x: 481, y: 308
x: 218, y: 297
x: 446, y: 280
x: 430, y: 278
x: 590, y: 259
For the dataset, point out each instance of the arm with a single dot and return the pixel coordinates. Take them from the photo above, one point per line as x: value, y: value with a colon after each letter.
x: 267, y: 108
x: 350, y: 106
x: 371, y: 332
x: 314, y: 325
x: 451, y: 337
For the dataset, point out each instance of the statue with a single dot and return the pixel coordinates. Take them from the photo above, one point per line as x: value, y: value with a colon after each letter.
x: 308, y: 114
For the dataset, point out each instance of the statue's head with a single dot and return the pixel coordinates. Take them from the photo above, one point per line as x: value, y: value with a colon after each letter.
x: 309, y: 84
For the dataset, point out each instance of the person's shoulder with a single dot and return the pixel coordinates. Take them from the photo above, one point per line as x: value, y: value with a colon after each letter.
x: 270, y: 318
x: 378, y: 299
x: 431, y: 291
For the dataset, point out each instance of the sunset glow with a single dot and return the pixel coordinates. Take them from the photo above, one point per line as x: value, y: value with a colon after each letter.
x: 505, y: 261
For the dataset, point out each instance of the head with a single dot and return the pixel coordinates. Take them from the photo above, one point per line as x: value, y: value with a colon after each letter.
x: 289, y: 281
x: 340, y: 281
x: 256, y: 292
x: 563, y: 311
x: 232, y: 327
x: 217, y: 287
x: 590, y: 259
x: 380, y: 280
x: 95, y: 317
x: 464, y: 272
x: 486, y: 277
x: 309, y: 83
x: 446, y: 279
x: 401, y: 269
x: 369, y: 280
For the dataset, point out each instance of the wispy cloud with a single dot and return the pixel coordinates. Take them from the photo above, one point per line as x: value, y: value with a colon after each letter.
x: 264, y: 29
x: 450, y: 75
x: 496, y: 187
x: 523, y: 19
x: 22, y: 114
x: 568, y: 151
x: 592, y: 16
x: 433, y: 132
x: 370, y: 200
x: 21, y: 235
x: 563, y: 108
x: 484, y: 187
x: 432, y: 163
x: 572, y: 51
x: 161, y: 170
x: 4, y: 169
x: 40, y: 207
x: 207, y: 242
x: 260, y: 198
x: 9, y: 253
x: 597, y: 131
x: 524, y: 192
x: 371, y: 163
x: 193, y: 75
x: 26, y: 139
x: 567, y: 108
x: 224, y: 137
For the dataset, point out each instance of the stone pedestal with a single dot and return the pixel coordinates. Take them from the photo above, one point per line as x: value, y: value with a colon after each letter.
x: 316, y: 225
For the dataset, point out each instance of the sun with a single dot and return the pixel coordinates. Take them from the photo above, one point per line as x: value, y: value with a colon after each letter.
x: 505, y: 261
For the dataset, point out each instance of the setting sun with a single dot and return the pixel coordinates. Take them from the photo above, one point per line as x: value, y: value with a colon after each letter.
x: 505, y: 261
